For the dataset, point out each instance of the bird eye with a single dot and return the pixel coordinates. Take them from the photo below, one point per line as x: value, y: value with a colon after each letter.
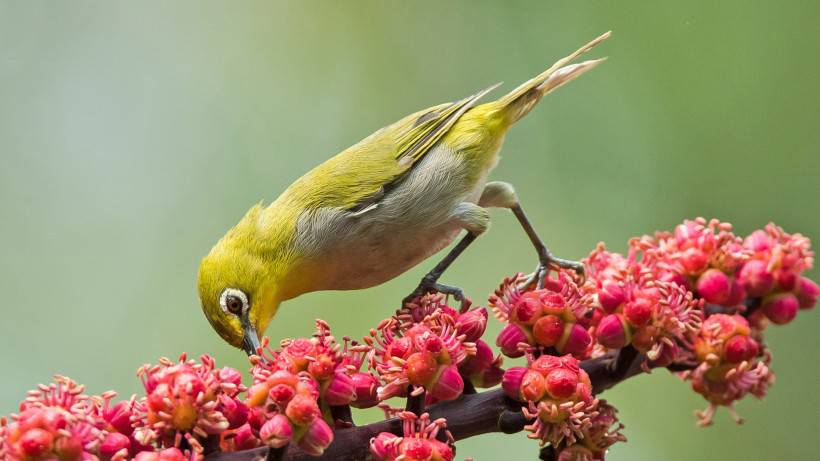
x: 233, y: 301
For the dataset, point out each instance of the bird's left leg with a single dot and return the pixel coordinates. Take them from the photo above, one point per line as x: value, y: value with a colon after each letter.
x: 502, y: 195
x: 475, y: 220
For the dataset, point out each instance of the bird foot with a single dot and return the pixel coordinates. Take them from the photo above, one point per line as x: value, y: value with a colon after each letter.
x: 547, y: 263
x: 430, y: 285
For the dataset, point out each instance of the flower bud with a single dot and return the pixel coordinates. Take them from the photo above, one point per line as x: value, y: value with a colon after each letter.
x: 302, y: 410
x: 713, y: 286
x: 230, y: 375
x: 512, y: 380
x: 740, y: 348
x: 189, y: 383
x: 807, y: 293
x: 244, y: 438
x: 449, y: 384
x: 575, y: 340
x: 780, y: 308
x: 533, y: 386
x: 317, y: 438
x: 786, y: 279
x: 694, y: 261
x: 491, y: 377
x: 114, y: 443
x: 527, y: 310
x: 35, y: 443
x: 282, y: 377
x: 575, y: 453
x: 234, y: 411
x: 552, y: 302
x: 416, y: 449
x: 548, y: 330
x: 665, y: 355
x: 756, y: 278
x: 322, y: 367
x: 383, y: 448
x: 421, y: 367
x: 509, y: 338
x: 639, y: 311
x: 759, y: 241
x: 612, y: 332
x: 561, y: 383
x: 611, y: 296
x: 281, y: 394
x: 399, y: 347
x: 364, y: 386
x: 340, y: 391
x: 277, y: 432
x: 472, y: 324
x: 479, y: 362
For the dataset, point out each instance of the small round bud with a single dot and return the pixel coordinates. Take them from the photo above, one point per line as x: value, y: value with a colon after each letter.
x: 276, y: 432
x: 509, y: 338
x: 365, y: 386
x: 612, y: 332
x: 807, y: 293
x: 302, y: 410
x: 512, y: 380
x: 561, y: 383
x: 639, y: 311
x: 449, y: 384
x: 340, y: 391
x: 533, y: 386
x: 527, y: 310
x: 611, y: 296
x: 317, y: 438
x: 780, y: 308
x: 740, y: 348
x: 421, y: 367
x: 575, y: 341
x: 548, y: 330
x: 756, y: 278
x: 472, y: 324
x: 713, y: 286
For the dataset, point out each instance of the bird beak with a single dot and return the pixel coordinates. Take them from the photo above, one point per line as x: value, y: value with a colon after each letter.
x: 251, y: 339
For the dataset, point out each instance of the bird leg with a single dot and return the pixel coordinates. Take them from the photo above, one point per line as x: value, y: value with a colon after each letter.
x: 475, y: 220
x: 502, y: 195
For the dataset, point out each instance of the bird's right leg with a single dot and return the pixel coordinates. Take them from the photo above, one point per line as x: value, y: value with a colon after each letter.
x: 475, y: 220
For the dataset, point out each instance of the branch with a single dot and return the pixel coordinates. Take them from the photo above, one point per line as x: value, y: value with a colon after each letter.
x: 468, y: 416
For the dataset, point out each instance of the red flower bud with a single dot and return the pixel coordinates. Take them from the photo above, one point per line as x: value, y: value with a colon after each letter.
x: 340, y: 391
x: 244, y: 438
x: 713, y: 286
x: 527, y: 310
x: 317, y: 438
x: 509, y: 338
x: 35, y: 443
x: 491, y: 377
x: 511, y: 382
x: 533, y: 386
x: 189, y: 383
x: 365, y: 386
x: 612, y: 332
x: 472, y: 324
x: 780, y: 308
x: 322, y: 367
x: 561, y: 383
x: 575, y: 340
x: 235, y: 411
x: 694, y: 261
x: 639, y: 311
x: 171, y: 454
x: 449, y: 384
x: 230, y: 375
x: 119, y: 417
x: 786, y: 279
x: 277, y: 432
x: 756, y: 278
x: 807, y: 293
x: 281, y: 394
x: 667, y: 354
x: 759, y: 241
x: 383, y: 448
x: 479, y: 362
x: 416, y: 449
x: 548, y: 330
x: 611, y: 296
x: 575, y: 453
x: 282, y: 377
x: 113, y: 443
x: 302, y: 410
x: 552, y: 301
x: 421, y: 367
x: 399, y: 347
x: 740, y: 348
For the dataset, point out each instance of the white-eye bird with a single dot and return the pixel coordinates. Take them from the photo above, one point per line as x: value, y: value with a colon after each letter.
x: 376, y: 210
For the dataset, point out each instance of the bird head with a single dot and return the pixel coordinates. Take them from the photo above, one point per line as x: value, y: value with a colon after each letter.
x: 236, y: 288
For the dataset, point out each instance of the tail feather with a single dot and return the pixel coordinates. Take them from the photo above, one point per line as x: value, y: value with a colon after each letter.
x: 521, y: 100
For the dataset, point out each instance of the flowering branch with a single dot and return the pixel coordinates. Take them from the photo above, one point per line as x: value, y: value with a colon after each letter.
x: 696, y: 301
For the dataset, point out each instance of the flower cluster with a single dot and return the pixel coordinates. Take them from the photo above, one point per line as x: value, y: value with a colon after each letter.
x: 187, y: 401
x: 603, y: 431
x: 558, y: 396
x: 418, y: 441
x: 556, y: 317
x: 421, y: 348
x: 56, y: 421
x: 641, y: 305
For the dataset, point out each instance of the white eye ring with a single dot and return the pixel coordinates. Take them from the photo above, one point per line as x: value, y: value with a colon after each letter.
x: 228, y: 292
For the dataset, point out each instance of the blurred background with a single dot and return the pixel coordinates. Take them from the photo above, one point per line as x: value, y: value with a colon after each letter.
x: 133, y: 135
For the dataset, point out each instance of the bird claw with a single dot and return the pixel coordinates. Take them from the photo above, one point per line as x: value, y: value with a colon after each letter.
x: 549, y: 263
x: 428, y: 285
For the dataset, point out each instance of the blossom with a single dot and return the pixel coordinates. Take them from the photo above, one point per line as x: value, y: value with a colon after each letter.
x: 55, y: 421
x: 187, y: 400
x: 418, y: 441
x: 420, y: 349
x: 551, y: 317
x: 558, y: 396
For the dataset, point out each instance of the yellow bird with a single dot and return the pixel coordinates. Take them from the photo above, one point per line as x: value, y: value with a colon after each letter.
x: 376, y: 210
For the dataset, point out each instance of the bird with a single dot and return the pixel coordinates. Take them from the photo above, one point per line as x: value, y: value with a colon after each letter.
x: 377, y: 209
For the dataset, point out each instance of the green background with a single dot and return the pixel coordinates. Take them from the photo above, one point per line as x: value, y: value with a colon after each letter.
x: 133, y: 135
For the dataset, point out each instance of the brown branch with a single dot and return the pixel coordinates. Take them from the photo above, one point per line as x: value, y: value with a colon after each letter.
x: 468, y: 416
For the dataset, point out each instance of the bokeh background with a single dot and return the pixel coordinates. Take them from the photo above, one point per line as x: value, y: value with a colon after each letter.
x: 134, y: 134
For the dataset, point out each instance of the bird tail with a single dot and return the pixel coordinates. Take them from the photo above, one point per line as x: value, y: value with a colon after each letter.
x: 518, y: 103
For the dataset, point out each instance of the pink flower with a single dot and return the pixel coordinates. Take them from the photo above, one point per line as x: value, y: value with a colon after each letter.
x: 418, y: 442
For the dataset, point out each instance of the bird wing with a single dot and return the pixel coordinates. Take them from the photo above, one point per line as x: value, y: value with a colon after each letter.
x: 359, y: 177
